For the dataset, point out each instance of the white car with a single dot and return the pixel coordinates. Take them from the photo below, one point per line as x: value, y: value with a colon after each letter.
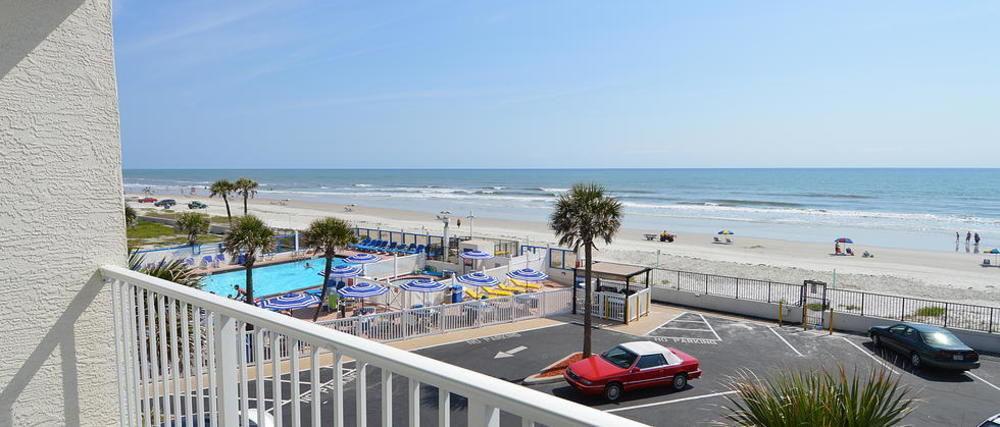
x: 993, y: 421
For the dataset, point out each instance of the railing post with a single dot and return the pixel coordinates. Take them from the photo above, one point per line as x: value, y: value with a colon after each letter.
x: 863, y: 303
x: 225, y: 371
x: 706, y: 284
x: 769, y: 292
x: 946, y: 315
x: 678, y: 280
x: 902, y: 311
x: 990, y: 327
x: 737, y: 288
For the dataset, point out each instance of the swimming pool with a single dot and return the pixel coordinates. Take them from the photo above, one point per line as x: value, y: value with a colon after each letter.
x: 271, y: 279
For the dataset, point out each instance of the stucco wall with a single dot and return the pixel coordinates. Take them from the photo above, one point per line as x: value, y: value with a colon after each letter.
x: 60, y: 212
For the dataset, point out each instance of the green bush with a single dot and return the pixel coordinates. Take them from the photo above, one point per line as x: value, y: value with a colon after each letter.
x: 930, y: 312
x: 818, y: 398
x: 816, y: 306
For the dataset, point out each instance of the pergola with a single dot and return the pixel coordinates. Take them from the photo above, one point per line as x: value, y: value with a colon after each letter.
x: 611, y: 271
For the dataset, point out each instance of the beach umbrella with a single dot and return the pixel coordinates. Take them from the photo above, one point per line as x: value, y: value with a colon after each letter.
x: 343, y: 272
x: 424, y: 286
x: 726, y: 232
x: 290, y: 301
x: 475, y: 255
x: 528, y: 275
x: 478, y: 279
x: 843, y: 240
x: 362, y: 290
x: 362, y: 258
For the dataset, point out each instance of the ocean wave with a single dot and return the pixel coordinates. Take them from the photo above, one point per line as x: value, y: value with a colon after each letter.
x: 362, y: 185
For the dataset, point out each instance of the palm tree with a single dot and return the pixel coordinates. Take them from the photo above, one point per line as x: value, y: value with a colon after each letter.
x: 249, y: 236
x: 223, y: 188
x: 130, y: 215
x: 327, y: 234
x: 819, y: 399
x: 583, y: 215
x: 247, y: 188
x: 192, y: 224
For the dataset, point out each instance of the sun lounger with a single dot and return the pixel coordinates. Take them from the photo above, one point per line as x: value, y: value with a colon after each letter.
x: 527, y: 285
x: 497, y: 292
x: 189, y: 261
x: 514, y: 289
x: 391, y: 248
x: 419, y: 249
x: 206, y: 261
x: 362, y: 243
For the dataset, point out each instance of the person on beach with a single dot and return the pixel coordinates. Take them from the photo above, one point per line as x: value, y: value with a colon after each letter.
x: 968, y: 237
x: 458, y: 222
x: 977, y: 239
x: 836, y: 248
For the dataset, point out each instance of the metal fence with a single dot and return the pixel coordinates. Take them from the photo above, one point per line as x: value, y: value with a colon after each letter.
x: 869, y: 304
x: 434, y: 244
x: 411, y: 323
x: 728, y: 287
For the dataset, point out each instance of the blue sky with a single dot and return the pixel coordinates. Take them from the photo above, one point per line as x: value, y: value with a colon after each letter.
x: 329, y: 84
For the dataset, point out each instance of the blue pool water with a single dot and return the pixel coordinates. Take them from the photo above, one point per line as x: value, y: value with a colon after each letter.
x: 272, y: 279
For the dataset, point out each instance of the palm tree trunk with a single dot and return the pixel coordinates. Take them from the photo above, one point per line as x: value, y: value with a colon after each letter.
x: 228, y: 213
x: 245, y: 197
x: 326, y: 287
x: 249, y: 266
x: 587, y: 290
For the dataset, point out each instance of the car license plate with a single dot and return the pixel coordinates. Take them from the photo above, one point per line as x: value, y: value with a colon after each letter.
x: 957, y: 357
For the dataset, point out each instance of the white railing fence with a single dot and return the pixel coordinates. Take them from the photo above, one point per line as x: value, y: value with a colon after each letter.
x: 411, y: 323
x: 611, y: 305
x: 181, y: 357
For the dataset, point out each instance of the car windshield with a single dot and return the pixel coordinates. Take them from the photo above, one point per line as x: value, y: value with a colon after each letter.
x: 619, y: 357
x: 940, y: 338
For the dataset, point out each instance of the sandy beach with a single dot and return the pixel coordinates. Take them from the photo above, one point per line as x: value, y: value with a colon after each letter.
x: 946, y: 276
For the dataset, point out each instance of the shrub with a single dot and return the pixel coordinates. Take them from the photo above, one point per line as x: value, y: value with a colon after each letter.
x: 930, y: 312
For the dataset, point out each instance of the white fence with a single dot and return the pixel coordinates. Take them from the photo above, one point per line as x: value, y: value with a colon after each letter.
x: 180, y: 356
x: 392, y: 266
x: 400, y: 325
x: 612, y: 306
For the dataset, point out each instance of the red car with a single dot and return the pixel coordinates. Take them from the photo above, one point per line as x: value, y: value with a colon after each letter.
x: 631, y: 366
x: 147, y: 200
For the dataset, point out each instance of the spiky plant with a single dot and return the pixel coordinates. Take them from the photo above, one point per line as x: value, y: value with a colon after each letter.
x: 249, y: 236
x: 582, y: 216
x: 819, y: 398
x: 247, y: 188
x: 173, y: 271
x: 223, y: 188
x: 326, y: 235
x: 130, y: 215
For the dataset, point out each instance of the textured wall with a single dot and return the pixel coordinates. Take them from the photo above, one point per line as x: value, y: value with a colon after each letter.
x: 60, y: 212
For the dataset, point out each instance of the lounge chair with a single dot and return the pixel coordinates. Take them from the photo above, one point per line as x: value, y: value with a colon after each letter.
x: 367, y: 246
x: 206, y: 261
x: 497, y: 292
x: 729, y: 241
x: 410, y: 250
x: 380, y: 247
x: 716, y: 240
x: 391, y: 248
x: 189, y: 261
x: 514, y: 289
x: 527, y: 285
x: 419, y: 249
x: 219, y: 259
x: 362, y: 243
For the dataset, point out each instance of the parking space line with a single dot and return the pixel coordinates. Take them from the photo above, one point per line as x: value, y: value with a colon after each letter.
x: 785, y: 341
x: 684, y: 329
x: 665, y: 323
x: 872, y: 356
x: 710, y: 327
x: 981, y: 379
x: 667, y: 402
x: 684, y: 321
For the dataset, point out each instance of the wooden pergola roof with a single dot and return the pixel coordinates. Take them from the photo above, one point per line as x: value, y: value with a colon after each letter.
x: 614, y: 271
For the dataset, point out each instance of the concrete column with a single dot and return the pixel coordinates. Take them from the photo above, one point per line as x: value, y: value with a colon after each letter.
x: 61, y: 213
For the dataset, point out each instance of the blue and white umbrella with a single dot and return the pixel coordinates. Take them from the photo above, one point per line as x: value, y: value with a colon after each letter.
x: 475, y: 255
x: 344, y: 271
x: 423, y: 285
x: 528, y: 275
x: 478, y: 279
x: 290, y: 301
x: 363, y: 258
x: 362, y: 290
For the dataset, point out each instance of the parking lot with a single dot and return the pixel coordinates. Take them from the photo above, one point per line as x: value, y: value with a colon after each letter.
x: 723, y: 345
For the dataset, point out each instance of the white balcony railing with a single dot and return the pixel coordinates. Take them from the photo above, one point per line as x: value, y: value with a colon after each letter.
x: 184, y: 354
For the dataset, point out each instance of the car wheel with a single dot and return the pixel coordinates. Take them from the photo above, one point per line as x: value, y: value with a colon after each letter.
x: 680, y: 381
x: 915, y: 360
x: 876, y: 341
x: 613, y: 392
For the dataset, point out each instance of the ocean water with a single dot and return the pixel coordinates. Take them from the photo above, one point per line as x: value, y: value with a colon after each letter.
x: 907, y: 208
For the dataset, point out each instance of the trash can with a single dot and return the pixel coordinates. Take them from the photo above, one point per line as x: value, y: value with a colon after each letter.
x: 456, y: 294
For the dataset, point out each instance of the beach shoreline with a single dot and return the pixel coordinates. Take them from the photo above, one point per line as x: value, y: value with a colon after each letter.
x: 935, y: 275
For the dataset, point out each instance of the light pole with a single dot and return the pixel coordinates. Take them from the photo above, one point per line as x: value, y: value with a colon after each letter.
x: 445, y: 219
x: 470, y: 218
